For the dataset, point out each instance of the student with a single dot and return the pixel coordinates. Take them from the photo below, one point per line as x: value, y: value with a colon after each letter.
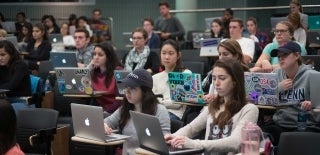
x: 231, y: 49
x: 293, y: 88
x: 171, y: 61
x: 50, y: 23
x: 24, y: 36
x: 300, y: 34
x: 153, y: 39
x: 68, y: 40
x: 103, y: 64
x: 140, y: 57
x: 283, y: 33
x: 260, y: 37
x: 8, y: 121
x: 82, y: 22
x: 138, y: 97
x: 226, y: 18
x: 296, y: 7
x: 38, y: 48
x: 224, y: 118
x: 83, y: 46
x: 217, y: 29
x: 14, y: 72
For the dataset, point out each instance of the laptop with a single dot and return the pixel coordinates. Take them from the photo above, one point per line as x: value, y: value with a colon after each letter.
x: 9, y: 26
x: 151, y: 137
x: 313, y: 60
x: 262, y: 88
x: 275, y: 20
x: 314, y: 22
x: 120, y: 75
x: 56, y: 38
x: 14, y: 41
x: 73, y: 80
x: 63, y: 59
x: 198, y: 36
x: 314, y: 37
x: 88, y: 123
x: 186, y: 87
x: 127, y: 39
x: 314, y: 83
x: 209, y: 47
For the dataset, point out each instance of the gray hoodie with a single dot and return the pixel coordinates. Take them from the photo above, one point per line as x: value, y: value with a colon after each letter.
x: 288, y: 117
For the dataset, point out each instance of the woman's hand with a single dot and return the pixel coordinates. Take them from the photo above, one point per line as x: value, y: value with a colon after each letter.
x: 266, y: 66
x: 209, y: 98
x: 306, y: 105
x: 286, y: 84
x: 178, y: 141
x: 107, y: 129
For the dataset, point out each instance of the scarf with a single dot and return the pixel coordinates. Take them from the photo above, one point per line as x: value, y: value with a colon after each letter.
x: 135, y: 57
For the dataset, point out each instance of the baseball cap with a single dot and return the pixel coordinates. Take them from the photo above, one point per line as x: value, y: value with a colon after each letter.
x: 138, y: 78
x: 289, y: 47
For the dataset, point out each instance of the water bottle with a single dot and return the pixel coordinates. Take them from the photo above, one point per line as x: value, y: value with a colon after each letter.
x: 250, y: 139
x: 47, y: 86
x: 302, y: 120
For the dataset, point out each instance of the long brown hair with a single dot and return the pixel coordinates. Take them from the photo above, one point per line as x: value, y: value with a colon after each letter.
x: 235, y: 49
x: 238, y: 95
x: 294, y: 19
x: 290, y: 28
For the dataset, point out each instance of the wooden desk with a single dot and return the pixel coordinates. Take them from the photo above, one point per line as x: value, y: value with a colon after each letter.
x: 261, y: 150
x: 3, y: 93
x: 190, y: 104
x: 82, y: 95
x: 119, y: 98
x: 60, y: 143
x: 316, y: 110
x: 269, y: 107
x: 84, y: 140
x: 140, y: 151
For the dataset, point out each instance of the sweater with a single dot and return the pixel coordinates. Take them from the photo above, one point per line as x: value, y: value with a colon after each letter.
x: 84, y: 55
x: 132, y: 143
x: 15, y: 150
x: 288, y: 117
x: 218, y: 142
x: 41, y: 53
x: 172, y: 26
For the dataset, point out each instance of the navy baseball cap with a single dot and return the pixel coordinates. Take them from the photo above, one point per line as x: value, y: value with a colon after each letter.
x: 289, y: 47
x: 138, y: 78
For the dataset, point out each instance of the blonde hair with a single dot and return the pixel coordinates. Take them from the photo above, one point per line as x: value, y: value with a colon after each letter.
x: 3, y: 33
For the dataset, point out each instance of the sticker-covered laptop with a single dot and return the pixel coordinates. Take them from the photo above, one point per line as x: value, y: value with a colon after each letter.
x: 262, y: 88
x: 120, y: 75
x: 63, y: 59
x: 185, y: 87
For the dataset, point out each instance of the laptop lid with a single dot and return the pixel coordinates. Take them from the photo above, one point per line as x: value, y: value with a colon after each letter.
x: 73, y: 80
x: 314, y: 83
x: 198, y: 36
x: 151, y: 136
x: 209, y: 47
x: 56, y: 38
x: 185, y: 87
x: 314, y: 22
x: 120, y: 75
x: 261, y: 88
x: 88, y: 123
x: 127, y: 39
x: 63, y: 59
x: 313, y: 60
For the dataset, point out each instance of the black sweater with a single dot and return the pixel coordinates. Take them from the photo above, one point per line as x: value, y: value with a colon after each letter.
x: 42, y: 53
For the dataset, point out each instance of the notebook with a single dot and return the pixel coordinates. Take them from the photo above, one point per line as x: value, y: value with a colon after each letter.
x: 63, y: 59
x: 314, y: 83
x: 73, y: 80
x: 120, y: 75
x: 262, y: 88
x: 56, y: 38
x: 151, y: 137
x: 209, y: 47
x: 198, y: 36
x: 314, y: 22
x: 313, y: 60
x: 185, y: 87
x: 88, y: 123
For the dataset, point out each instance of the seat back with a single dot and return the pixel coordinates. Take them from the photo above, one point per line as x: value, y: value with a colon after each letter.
x: 32, y: 121
x: 298, y: 143
x: 37, y: 91
x: 195, y: 66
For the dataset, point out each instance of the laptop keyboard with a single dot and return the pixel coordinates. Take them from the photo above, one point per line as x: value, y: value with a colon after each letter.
x: 172, y: 149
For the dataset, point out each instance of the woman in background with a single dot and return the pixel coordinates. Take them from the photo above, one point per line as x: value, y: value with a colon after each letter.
x: 38, y: 48
x: 102, y: 65
x: 300, y: 34
x: 50, y: 24
x: 25, y: 36
x: 296, y: 7
x: 82, y: 22
x: 8, y: 127
x: 261, y: 38
x: 216, y: 29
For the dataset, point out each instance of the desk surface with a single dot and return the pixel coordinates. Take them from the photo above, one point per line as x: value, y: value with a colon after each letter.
x: 89, y: 141
x: 269, y: 107
x: 140, y: 151
x: 82, y: 95
x: 191, y: 104
x: 261, y: 150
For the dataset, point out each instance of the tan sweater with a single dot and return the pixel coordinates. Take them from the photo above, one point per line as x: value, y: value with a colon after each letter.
x: 227, y: 144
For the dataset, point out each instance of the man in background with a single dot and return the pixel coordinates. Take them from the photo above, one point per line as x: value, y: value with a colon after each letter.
x: 101, y: 30
x: 83, y: 46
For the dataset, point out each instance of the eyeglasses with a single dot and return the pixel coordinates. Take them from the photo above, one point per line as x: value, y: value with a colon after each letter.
x: 137, y: 38
x: 280, y: 31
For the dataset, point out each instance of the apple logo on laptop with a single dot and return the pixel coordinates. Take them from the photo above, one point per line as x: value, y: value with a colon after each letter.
x: 73, y: 81
x: 87, y: 122
x: 148, y: 132
x: 54, y: 40
x: 64, y: 61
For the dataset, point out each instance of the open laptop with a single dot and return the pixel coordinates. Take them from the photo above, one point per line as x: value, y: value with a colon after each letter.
x: 88, y: 123
x: 73, y: 80
x: 151, y: 137
x: 313, y: 60
x: 185, y: 87
x: 314, y: 83
x: 198, y: 36
x: 275, y: 20
x: 314, y: 22
x: 120, y: 75
x: 56, y: 38
x: 262, y: 88
x: 209, y: 47
x: 63, y: 59
x: 127, y: 39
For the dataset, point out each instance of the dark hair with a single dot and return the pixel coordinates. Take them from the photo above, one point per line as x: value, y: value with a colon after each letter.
x: 219, y: 22
x: 254, y: 20
x: 96, y: 10
x: 164, y: 4
x: 148, y: 106
x: 229, y: 10
x: 22, y: 14
x: 2, y: 17
x: 290, y: 28
x: 85, y: 31
x: 29, y: 27
x: 179, y: 67
x: 12, y: 51
x: 111, y: 64
x: 238, y: 20
x: 141, y: 30
x: 8, y: 121
x: 148, y: 20
x: 238, y: 95
x: 50, y: 17
x: 81, y: 18
x: 297, y: 3
x: 42, y: 29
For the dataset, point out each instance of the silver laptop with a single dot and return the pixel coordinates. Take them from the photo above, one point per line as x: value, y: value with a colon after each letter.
x: 88, y: 123
x: 209, y: 47
x: 151, y: 137
x: 198, y: 36
x: 56, y: 38
x: 313, y: 60
x: 63, y: 59
x: 120, y: 75
x: 314, y: 88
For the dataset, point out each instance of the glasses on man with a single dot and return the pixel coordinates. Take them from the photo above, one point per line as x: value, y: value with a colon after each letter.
x: 280, y: 31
